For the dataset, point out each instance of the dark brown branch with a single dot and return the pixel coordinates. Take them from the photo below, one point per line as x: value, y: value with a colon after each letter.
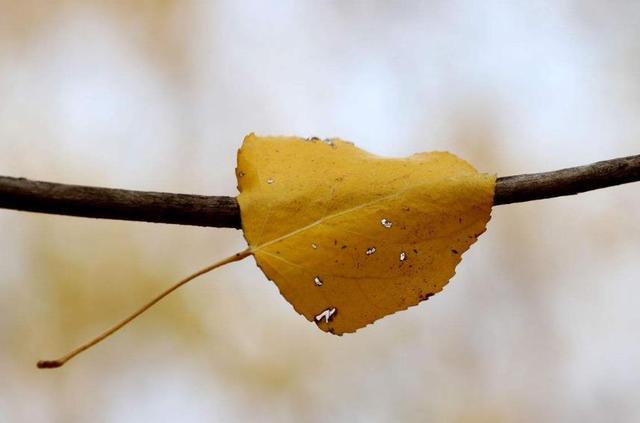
x: 570, y: 181
x: 108, y: 203
x: 223, y: 212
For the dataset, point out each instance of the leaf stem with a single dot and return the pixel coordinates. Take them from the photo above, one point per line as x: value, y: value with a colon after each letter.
x: 50, y: 364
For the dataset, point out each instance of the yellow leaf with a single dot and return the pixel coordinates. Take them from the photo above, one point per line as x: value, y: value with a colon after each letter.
x: 349, y: 237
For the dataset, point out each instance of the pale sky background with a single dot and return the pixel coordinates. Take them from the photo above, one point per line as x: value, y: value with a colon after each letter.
x: 539, y: 324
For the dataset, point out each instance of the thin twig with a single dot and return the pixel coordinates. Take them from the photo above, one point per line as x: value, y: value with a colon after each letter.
x: 223, y: 212
x: 109, y: 203
x: 570, y: 181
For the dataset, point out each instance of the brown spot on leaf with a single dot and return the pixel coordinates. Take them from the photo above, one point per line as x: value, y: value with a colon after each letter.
x: 425, y: 297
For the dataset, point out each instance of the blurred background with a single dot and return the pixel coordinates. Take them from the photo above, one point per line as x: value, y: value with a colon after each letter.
x: 541, y: 321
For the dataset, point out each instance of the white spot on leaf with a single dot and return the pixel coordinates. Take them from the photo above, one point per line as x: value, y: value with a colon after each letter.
x: 327, y: 315
x: 386, y: 223
x: 370, y: 251
x: 317, y: 281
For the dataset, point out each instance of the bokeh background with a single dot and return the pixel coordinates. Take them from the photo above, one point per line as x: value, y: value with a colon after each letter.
x: 539, y: 324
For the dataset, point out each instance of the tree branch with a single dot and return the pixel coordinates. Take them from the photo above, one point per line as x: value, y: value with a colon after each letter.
x: 223, y: 212
x: 570, y: 181
x: 108, y: 203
